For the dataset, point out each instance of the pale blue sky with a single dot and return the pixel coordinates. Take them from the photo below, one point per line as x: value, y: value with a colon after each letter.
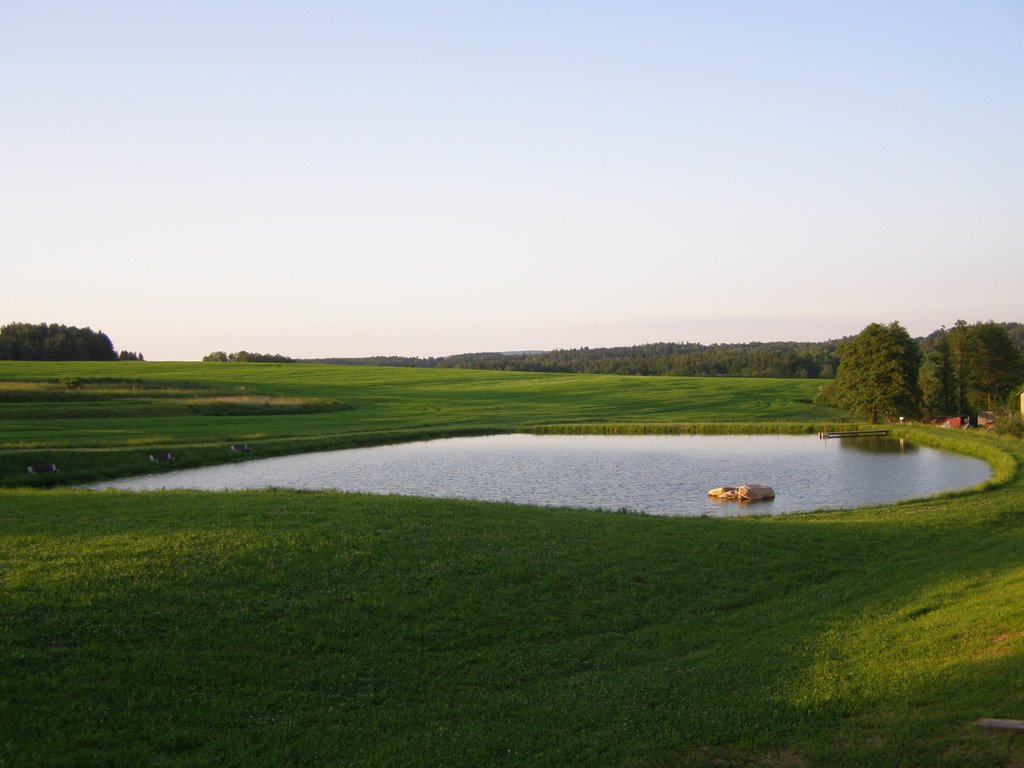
x: 341, y: 178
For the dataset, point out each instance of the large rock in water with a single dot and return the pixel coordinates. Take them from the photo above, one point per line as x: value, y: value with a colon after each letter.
x: 755, y: 492
x: 743, y: 493
x: 725, y: 492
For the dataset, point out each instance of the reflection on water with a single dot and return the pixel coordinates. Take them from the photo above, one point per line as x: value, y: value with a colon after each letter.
x: 657, y: 474
x: 876, y: 444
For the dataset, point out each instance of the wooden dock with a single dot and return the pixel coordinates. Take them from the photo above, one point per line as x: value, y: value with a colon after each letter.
x: 855, y: 433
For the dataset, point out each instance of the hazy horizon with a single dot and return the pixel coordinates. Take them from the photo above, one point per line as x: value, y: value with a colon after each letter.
x: 348, y: 180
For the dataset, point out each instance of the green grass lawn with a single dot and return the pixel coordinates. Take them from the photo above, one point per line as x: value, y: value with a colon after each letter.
x: 288, y: 628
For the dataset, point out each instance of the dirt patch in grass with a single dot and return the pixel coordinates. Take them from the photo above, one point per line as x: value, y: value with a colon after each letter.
x: 1000, y: 645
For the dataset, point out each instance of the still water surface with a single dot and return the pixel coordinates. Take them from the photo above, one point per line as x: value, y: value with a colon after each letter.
x: 657, y: 474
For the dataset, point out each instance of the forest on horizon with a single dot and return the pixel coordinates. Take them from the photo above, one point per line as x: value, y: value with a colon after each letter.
x: 773, y: 359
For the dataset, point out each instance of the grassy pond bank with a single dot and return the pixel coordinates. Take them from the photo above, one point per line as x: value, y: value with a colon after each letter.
x: 274, y: 627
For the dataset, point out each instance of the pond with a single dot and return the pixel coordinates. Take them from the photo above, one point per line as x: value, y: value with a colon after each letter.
x: 655, y: 474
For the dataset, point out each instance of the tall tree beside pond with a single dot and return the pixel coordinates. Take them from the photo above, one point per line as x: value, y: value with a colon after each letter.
x: 878, y: 374
x: 968, y: 368
x: 960, y: 358
x: 940, y: 389
x: 995, y: 367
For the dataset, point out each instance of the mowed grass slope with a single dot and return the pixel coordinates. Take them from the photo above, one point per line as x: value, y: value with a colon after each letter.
x: 281, y: 628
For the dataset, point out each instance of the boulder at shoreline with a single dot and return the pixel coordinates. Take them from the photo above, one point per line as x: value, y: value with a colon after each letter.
x: 743, y: 493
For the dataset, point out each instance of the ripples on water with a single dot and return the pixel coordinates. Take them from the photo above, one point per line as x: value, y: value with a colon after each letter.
x: 656, y: 474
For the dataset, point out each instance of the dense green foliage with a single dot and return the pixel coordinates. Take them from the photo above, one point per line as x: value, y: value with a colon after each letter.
x: 1016, y: 331
x: 26, y: 341
x: 245, y: 357
x: 756, y: 359
x: 1011, y: 425
x: 878, y: 374
x: 942, y: 386
x: 884, y: 374
x: 969, y: 368
x: 282, y: 628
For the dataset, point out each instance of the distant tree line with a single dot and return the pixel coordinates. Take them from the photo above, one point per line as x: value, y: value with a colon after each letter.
x: 388, y: 361
x: 42, y: 341
x: 756, y: 359
x: 245, y: 357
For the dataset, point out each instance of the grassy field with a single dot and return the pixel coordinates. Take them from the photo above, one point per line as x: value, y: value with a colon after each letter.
x: 101, y: 420
x: 286, y: 628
